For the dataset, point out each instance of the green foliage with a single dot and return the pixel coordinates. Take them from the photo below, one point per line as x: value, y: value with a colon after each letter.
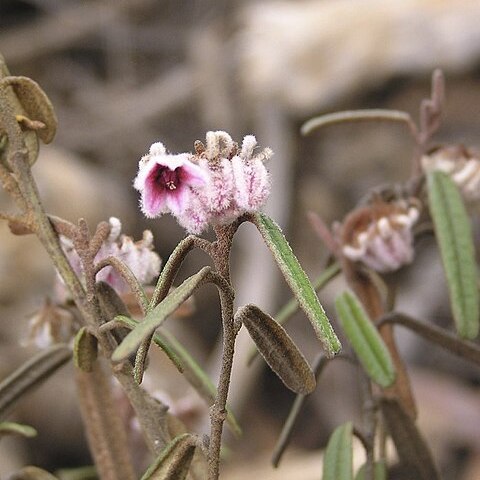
x: 338, y: 459
x: 365, y: 339
x: 158, y: 315
x: 454, y: 236
x: 298, y: 282
x: 278, y: 349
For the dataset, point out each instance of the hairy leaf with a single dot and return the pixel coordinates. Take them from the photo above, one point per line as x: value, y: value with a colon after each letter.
x: 278, y: 349
x: 36, y: 104
x: 454, y: 235
x: 174, y: 461
x: 188, y: 366
x: 292, y: 306
x: 298, y: 281
x: 31, y: 374
x: 85, y: 350
x: 338, y: 458
x: 410, y: 445
x: 158, y: 315
x: 365, y: 339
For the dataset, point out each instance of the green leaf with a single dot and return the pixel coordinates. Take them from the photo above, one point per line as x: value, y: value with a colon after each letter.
x: 12, y: 428
x: 365, y: 339
x: 31, y: 374
x: 158, y: 315
x: 187, y: 366
x: 379, y: 472
x: 454, y: 236
x: 85, y: 350
x: 298, y: 281
x: 411, y: 447
x: 32, y: 473
x: 292, y: 306
x: 278, y: 349
x: 174, y: 460
x: 338, y: 458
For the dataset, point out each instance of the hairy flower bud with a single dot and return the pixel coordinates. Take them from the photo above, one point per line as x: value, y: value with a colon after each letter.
x: 461, y: 164
x: 380, y: 235
x: 138, y: 256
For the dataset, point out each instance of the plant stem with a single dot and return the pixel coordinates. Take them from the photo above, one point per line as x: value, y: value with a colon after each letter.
x: 220, y: 252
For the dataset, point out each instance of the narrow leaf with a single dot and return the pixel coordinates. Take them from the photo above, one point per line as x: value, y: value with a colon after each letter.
x: 298, y: 281
x: 365, y: 339
x: 174, y: 461
x: 85, y: 350
x: 31, y: 374
x: 158, y: 315
x: 292, y: 306
x: 454, y: 236
x: 278, y: 349
x: 410, y: 445
x: 462, y: 348
x: 338, y: 458
x: 187, y: 366
x: 379, y: 472
x: 36, y: 105
x: 12, y: 428
x: 32, y: 473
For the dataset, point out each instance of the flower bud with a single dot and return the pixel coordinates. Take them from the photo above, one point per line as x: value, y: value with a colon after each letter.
x: 380, y: 235
x: 461, y: 164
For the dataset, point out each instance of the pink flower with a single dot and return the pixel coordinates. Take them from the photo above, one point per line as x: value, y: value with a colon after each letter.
x: 213, y: 187
x: 165, y: 181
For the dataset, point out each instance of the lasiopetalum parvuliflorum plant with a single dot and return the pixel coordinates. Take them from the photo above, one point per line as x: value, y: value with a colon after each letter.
x: 220, y: 185
x: 376, y: 238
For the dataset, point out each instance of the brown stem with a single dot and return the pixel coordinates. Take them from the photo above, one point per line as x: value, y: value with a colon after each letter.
x: 220, y: 252
x: 105, y: 432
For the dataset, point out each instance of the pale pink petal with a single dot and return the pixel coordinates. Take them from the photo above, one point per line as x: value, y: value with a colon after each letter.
x: 144, y: 171
x: 220, y: 187
x: 154, y: 202
x: 248, y: 145
x: 177, y: 200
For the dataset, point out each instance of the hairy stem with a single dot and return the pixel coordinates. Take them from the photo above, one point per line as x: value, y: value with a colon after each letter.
x: 220, y: 252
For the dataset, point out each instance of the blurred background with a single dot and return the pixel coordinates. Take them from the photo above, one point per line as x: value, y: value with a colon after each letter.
x: 125, y: 73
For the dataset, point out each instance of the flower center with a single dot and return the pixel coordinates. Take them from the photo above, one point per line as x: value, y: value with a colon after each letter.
x: 169, y: 179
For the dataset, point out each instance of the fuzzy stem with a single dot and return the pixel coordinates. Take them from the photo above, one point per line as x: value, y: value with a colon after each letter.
x: 221, y: 257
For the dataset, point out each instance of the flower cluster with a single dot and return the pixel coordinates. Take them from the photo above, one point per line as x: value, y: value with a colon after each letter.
x: 138, y: 256
x: 213, y: 186
x: 380, y: 236
x: 461, y: 164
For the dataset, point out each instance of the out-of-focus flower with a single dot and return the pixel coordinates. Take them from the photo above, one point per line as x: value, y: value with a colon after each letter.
x: 236, y: 182
x: 138, y: 256
x: 380, y: 235
x: 165, y: 181
x: 461, y: 164
x: 51, y: 324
